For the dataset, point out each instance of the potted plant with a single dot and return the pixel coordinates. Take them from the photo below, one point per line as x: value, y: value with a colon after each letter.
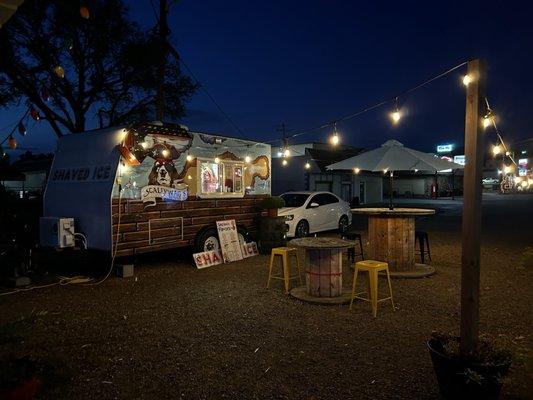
x: 272, y: 204
x: 477, y: 375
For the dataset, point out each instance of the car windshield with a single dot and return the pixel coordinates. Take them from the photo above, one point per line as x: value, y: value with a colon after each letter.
x: 294, y: 199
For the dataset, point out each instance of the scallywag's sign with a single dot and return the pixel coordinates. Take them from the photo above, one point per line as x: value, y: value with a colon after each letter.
x: 152, y: 192
x: 94, y: 173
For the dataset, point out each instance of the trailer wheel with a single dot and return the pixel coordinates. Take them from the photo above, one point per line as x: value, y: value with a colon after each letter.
x: 243, y: 234
x: 207, y: 240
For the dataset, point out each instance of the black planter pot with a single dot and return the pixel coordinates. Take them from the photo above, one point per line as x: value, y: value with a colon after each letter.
x: 461, y: 379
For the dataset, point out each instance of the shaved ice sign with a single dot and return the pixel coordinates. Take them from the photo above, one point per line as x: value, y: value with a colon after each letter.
x: 208, y: 259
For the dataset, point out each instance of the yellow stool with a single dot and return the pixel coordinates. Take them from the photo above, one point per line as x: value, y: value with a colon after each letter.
x: 373, y: 268
x: 285, y: 253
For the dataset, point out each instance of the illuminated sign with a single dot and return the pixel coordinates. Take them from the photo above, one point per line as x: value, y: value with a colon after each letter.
x: 522, y: 166
x: 459, y: 159
x: 447, y: 158
x: 444, y: 148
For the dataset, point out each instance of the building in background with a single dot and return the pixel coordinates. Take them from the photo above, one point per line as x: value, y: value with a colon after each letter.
x: 305, y: 169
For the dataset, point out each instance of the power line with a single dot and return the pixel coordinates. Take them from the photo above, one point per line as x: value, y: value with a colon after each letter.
x: 376, y: 105
x: 174, y: 52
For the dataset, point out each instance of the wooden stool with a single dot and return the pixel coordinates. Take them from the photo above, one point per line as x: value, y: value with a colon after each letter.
x: 285, y: 253
x: 372, y: 267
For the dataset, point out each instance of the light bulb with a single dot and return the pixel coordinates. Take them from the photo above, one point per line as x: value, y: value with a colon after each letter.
x: 307, y: 165
x: 486, y: 121
x: 356, y: 170
x: 165, y: 153
x: 287, y: 153
x: 507, y: 169
x: 507, y: 153
x: 280, y: 154
x: 467, y: 79
x: 189, y: 157
x: 335, y: 139
x: 396, y: 116
x: 385, y: 170
x: 217, y: 160
x: 496, y: 149
x: 247, y: 159
x: 284, y: 162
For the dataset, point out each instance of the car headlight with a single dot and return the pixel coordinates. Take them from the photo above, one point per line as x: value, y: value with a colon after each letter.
x: 289, y: 217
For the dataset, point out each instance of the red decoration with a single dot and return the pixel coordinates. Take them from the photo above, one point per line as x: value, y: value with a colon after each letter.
x: 35, y: 114
x: 45, y: 94
x: 12, y: 143
x: 84, y: 12
x: 22, y: 129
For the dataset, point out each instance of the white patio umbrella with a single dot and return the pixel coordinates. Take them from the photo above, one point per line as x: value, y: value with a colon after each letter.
x: 394, y: 156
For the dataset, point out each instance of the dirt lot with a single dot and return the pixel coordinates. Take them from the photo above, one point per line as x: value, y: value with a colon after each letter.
x: 177, y: 332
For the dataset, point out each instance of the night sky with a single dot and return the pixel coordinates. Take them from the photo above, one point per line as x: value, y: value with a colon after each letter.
x: 308, y: 63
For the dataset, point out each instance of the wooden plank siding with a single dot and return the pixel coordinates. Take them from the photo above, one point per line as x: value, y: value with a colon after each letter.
x: 133, y: 235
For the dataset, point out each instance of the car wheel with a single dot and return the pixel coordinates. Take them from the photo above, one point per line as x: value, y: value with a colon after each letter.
x: 302, y: 229
x: 343, y: 224
x: 208, y: 240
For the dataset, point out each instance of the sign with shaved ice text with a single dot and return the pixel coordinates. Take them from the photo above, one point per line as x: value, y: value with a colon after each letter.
x: 208, y: 259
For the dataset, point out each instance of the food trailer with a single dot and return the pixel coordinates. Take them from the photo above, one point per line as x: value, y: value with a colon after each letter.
x: 153, y: 186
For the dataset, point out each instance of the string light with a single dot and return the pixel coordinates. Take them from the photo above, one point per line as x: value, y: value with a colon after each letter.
x: 21, y: 128
x: 84, y: 12
x: 396, y: 115
x: 487, y: 119
x: 247, y: 159
x: 284, y: 162
x: 59, y: 71
x: 356, y: 170
x: 496, y: 149
x: 35, y: 114
x: 12, y: 143
x: 307, y: 165
x: 165, y: 153
x: 467, y: 79
x: 217, y: 160
x: 286, y: 153
x: 189, y: 158
x: 335, y: 139
x: 385, y: 170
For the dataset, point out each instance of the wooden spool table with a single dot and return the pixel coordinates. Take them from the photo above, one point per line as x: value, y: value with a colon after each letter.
x: 323, y: 268
x: 391, y: 236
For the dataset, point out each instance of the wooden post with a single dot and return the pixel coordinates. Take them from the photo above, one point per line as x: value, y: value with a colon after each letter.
x: 163, y: 34
x: 475, y: 93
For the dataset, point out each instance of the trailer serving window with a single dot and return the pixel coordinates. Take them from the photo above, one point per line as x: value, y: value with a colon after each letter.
x: 222, y: 179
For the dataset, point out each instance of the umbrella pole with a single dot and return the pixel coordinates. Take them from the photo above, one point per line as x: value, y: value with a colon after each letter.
x: 391, y: 206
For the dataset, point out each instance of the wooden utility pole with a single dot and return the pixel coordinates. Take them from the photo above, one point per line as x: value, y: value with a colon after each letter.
x: 163, y: 36
x: 475, y: 94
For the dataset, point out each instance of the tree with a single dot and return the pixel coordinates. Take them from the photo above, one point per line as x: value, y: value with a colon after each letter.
x: 109, y: 63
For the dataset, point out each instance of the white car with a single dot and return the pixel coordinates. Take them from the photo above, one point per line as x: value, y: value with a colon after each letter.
x: 311, y: 212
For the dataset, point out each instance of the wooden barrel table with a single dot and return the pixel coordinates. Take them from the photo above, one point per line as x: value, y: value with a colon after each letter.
x: 323, y: 265
x: 391, y: 235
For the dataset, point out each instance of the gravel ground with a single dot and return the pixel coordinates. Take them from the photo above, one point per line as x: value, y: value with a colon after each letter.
x: 177, y: 332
